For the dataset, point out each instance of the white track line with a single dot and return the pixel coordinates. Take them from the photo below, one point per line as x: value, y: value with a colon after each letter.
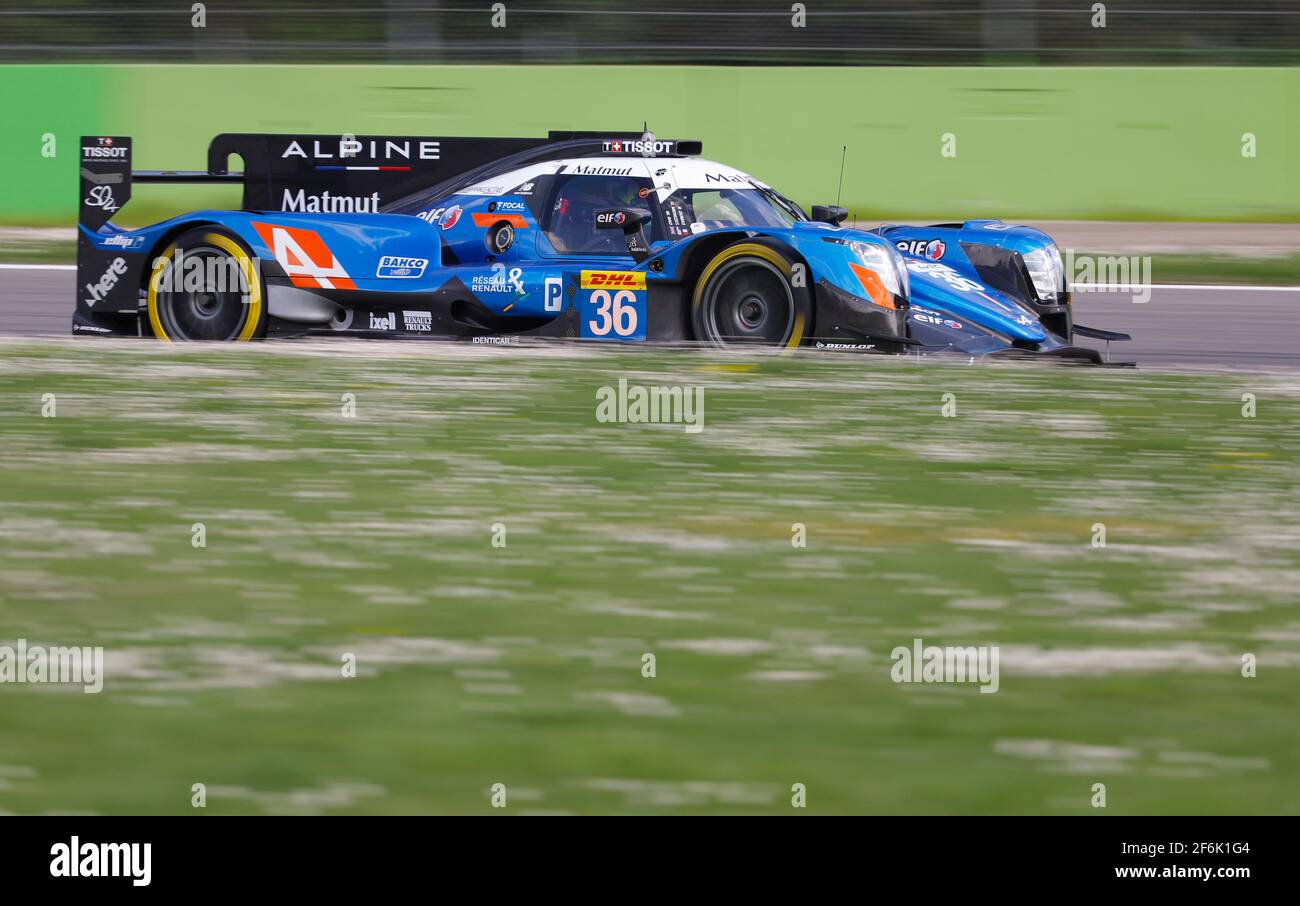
x: 1114, y: 287
x: 1086, y: 288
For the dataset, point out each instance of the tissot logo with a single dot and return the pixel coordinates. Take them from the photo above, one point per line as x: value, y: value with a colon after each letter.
x: 96, y: 151
x: 639, y: 146
x: 369, y: 149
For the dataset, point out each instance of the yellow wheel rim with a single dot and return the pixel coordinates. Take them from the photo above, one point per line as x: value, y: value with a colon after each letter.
x: 246, y: 267
x: 767, y: 254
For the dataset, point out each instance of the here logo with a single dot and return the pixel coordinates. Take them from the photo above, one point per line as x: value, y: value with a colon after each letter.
x: 100, y: 289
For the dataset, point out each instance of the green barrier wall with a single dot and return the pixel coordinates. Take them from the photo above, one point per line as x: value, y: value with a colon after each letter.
x: 1105, y: 143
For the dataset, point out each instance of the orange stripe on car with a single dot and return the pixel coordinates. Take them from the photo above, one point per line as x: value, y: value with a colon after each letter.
x: 515, y: 220
x: 871, y: 282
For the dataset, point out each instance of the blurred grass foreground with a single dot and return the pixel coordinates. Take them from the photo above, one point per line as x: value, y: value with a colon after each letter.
x: 369, y: 536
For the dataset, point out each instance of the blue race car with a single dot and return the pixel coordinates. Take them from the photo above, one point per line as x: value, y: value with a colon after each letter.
x: 616, y: 237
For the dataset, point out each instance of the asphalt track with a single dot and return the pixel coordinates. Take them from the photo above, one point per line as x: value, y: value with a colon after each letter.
x: 1242, y: 327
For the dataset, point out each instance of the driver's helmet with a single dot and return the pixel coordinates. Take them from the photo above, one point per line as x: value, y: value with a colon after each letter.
x: 573, y: 225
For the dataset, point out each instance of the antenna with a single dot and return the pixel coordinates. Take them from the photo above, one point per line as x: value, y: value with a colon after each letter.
x: 844, y: 152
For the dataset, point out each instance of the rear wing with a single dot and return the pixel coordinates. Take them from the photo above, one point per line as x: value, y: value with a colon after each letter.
x: 340, y: 174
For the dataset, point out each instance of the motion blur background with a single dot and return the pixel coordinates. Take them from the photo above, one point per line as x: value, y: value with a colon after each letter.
x: 1053, y: 115
x: 837, y: 32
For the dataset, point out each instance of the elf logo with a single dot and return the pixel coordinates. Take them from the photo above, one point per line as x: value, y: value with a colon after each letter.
x: 923, y: 248
x: 100, y: 289
x: 444, y: 217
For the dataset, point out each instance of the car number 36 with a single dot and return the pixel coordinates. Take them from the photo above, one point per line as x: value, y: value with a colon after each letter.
x: 615, y: 313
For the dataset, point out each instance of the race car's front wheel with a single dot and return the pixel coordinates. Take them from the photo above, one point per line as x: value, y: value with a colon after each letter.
x: 747, y: 294
x: 206, y: 286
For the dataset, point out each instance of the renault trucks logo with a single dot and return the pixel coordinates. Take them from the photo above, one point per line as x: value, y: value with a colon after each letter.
x: 393, y: 266
x: 417, y: 321
x: 923, y: 248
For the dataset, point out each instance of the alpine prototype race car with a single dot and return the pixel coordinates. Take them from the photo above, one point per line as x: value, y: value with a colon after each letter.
x: 615, y: 237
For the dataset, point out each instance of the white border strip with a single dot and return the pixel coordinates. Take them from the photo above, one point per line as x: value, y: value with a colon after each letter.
x: 1114, y: 287
x: 1084, y: 288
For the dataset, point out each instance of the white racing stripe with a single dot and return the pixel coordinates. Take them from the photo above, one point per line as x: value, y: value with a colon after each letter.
x: 1108, y: 287
x: 1088, y: 287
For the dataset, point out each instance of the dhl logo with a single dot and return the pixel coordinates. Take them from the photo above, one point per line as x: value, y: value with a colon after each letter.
x: 613, y: 280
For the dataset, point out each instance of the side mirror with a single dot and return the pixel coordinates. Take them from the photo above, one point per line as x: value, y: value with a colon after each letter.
x: 631, y: 221
x: 829, y: 213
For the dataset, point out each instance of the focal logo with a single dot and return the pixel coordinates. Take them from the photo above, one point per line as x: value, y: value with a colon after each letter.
x: 923, y: 248
x: 101, y: 288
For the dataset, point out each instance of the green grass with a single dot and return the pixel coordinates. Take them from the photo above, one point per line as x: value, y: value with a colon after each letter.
x: 522, y: 665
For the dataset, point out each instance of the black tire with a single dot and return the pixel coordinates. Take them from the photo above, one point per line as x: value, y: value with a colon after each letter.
x: 183, y: 306
x: 748, y: 295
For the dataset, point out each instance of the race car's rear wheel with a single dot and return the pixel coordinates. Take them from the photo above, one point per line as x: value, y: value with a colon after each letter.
x: 206, y: 286
x: 747, y: 294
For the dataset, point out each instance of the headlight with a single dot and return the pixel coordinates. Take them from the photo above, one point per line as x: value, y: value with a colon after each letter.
x: 1047, y: 272
x: 887, y: 262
